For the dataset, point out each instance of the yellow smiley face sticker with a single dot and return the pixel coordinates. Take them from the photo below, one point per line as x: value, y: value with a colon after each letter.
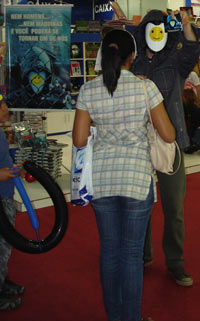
x: 36, y: 80
x: 156, y: 33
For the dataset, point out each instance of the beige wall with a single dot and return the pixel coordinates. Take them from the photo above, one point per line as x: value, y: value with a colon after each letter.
x: 176, y: 4
x: 131, y: 7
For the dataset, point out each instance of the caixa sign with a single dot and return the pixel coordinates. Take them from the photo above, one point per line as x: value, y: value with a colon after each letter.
x: 102, y: 10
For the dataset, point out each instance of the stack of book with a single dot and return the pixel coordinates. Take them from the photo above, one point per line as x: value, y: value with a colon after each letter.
x: 121, y: 17
x: 49, y: 159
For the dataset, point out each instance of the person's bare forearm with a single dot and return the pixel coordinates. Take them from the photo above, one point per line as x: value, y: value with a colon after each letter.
x: 187, y: 28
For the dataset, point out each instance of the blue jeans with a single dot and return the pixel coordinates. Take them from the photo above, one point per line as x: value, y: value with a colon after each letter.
x: 122, y: 223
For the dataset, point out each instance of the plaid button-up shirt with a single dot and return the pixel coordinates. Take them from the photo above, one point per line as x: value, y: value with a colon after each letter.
x: 121, y: 160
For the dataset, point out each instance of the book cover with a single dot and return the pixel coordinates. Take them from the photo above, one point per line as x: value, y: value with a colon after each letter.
x: 91, y: 49
x: 90, y: 64
x: 75, y: 50
x: 81, y: 25
x: 94, y: 26
x: 117, y: 10
x: 76, y: 84
x: 75, y: 68
x: 189, y: 11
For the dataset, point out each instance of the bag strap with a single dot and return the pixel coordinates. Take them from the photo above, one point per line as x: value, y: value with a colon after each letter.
x: 149, y: 113
x: 179, y: 159
x: 148, y: 105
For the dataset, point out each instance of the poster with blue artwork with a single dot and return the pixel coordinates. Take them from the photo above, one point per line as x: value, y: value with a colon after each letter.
x: 38, y: 57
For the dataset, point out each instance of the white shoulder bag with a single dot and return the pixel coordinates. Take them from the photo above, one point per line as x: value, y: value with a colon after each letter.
x: 162, y: 153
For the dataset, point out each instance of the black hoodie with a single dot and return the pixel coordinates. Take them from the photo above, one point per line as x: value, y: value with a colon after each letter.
x: 168, y: 69
x: 154, y: 16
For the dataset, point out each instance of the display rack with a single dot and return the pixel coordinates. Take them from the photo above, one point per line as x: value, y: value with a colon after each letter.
x: 84, y: 47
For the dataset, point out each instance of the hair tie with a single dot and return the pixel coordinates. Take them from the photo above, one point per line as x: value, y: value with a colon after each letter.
x: 113, y: 45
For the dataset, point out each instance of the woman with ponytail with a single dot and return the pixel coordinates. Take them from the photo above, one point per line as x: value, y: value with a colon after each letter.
x: 122, y: 170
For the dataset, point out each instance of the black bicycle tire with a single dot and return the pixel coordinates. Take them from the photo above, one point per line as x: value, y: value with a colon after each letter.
x: 23, y: 244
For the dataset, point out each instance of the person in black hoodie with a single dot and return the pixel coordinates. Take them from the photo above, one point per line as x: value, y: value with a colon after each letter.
x: 167, y: 59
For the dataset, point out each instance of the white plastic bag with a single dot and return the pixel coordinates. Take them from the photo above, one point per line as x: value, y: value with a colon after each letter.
x: 81, y: 175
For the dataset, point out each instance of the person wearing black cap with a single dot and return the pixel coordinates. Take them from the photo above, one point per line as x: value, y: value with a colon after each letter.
x: 167, y: 52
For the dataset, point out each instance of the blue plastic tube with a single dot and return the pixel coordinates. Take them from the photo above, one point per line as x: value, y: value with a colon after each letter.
x: 26, y: 200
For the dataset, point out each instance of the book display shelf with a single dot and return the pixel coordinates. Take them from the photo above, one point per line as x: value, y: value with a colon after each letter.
x: 84, y: 48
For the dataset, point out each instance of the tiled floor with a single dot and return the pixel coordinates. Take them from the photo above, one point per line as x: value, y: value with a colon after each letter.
x: 39, y: 196
x: 192, y: 162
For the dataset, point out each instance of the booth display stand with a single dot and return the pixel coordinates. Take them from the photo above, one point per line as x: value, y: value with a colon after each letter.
x: 84, y: 47
x: 38, y: 195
